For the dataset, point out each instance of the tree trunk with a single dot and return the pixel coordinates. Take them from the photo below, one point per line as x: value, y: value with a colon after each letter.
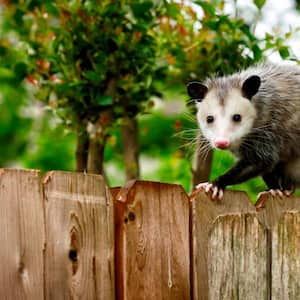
x: 131, y: 148
x: 97, y: 133
x: 95, y: 155
x: 202, y: 166
x: 81, y: 150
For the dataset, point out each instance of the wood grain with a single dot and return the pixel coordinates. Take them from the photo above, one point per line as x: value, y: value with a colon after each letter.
x: 286, y: 257
x: 237, y: 256
x: 271, y: 208
x: 282, y: 217
x: 22, y: 235
x: 204, y: 213
x: 80, y: 243
x: 153, y: 241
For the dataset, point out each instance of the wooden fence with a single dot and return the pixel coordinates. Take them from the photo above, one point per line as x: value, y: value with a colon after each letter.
x: 67, y: 236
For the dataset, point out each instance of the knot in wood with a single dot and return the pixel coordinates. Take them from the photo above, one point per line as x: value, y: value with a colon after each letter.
x: 21, y: 267
x: 73, y: 255
x: 131, y: 216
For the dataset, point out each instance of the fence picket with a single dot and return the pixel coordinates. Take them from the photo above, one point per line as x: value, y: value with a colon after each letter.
x: 65, y: 238
x: 22, y: 235
x: 286, y: 257
x: 153, y: 259
x: 79, y: 231
x: 204, y: 213
x: 237, y: 256
x: 282, y: 218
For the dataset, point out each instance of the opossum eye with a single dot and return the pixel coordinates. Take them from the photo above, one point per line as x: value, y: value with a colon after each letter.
x: 237, y: 118
x: 210, y: 119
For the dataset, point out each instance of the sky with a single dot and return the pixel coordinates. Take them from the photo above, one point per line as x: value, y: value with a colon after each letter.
x: 277, y: 17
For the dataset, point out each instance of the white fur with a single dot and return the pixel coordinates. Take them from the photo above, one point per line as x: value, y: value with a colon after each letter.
x: 223, y: 126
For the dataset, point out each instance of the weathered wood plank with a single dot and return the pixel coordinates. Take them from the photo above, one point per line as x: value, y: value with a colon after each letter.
x: 153, y: 261
x: 237, y: 256
x: 204, y: 213
x: 79, y: 231
x: 271, y: 208
x: 281, y: 217
x: 286, y: 257
x: 22, y: 235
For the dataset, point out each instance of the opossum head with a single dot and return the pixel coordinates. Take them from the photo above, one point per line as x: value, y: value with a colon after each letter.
x: 225, y: 111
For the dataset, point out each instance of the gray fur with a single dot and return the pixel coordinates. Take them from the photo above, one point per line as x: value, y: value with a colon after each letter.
x: 275, y: 137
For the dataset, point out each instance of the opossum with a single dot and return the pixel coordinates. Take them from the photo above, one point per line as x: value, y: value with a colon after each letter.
x: 254, y: 113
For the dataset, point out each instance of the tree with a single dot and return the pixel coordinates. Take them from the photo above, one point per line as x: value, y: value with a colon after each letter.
x: 93, y: 62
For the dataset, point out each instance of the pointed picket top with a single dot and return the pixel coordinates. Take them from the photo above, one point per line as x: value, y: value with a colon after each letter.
x: 79, y: 256
x: 231, y: 201
x: 271, y: 208
x: 152, y: 241
x: 123, y: 193
x: 204, y: 213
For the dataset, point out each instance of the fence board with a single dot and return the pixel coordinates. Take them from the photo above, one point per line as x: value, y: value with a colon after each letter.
x: 286, y: 257
x: 79, y: 230
x: 153, y: 261
x: 281, y: 217
x: 271, y: 208
x: 22, y: 235
x: 237, y: 256
x: 204, y: 213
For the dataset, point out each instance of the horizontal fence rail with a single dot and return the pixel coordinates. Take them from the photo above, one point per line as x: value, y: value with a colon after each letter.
x: 68, y: 236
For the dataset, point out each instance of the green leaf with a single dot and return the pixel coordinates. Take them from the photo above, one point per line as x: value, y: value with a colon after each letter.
x: 211, y: 25
x: 20, y: 70
x: 258, y: 53
x: 206, y: 7
x: 173, y: 10
x: 51, y: 8
x: 104, y: 100
x: 3, y: 50
x: 259, y: 3
x: 93, y: 76
x: 141, y: 9
x: 284, y: 52
x: 18, y: 17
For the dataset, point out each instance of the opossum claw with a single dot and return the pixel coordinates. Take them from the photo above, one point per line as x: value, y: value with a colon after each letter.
x: 288, y: 193
x: 214, y: 192
x: 221, y: 194
x: 208, y: 187
x: 276, y: 192
x: 204, y: 186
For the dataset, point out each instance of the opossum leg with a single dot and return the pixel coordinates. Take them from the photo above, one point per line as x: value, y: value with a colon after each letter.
x: 278, y: 182
x: 239, y: 173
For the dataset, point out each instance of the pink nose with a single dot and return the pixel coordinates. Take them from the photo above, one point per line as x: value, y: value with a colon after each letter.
x: 222, y: 143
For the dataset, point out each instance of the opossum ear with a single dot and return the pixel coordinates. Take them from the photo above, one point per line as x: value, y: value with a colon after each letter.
x: 250, y: 86
x: 197, y: 90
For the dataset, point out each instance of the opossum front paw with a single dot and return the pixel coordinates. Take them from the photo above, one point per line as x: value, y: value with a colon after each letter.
x: 276, y: 193
x: 280, y: 193
x: 210, y: 188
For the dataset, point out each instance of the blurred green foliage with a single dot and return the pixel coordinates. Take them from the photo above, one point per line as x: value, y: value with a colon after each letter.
x: 66, y: 53
x: 76, y: 48
x: 50, y: 145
